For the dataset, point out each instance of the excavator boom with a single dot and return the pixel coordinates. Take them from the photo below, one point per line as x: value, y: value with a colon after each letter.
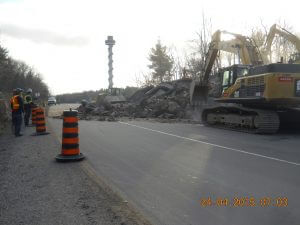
x: 275, y: 29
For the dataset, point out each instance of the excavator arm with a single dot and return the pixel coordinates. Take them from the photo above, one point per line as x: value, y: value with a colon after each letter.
x: 240, y: 45
x: 275, y: 29
x: 247, y: 51
x: 211, y: 55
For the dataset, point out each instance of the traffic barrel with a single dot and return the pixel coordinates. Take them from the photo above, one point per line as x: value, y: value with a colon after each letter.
x: 40, y: 123
x: 33, y: 115
x: 70, y: 138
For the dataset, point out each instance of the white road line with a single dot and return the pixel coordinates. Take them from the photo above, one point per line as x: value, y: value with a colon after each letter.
x: 215, y: 145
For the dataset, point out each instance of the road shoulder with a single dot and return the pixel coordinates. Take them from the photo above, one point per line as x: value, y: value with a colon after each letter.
x: 34, y: 189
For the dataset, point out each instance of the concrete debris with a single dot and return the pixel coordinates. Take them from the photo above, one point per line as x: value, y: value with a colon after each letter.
x: 168, y: 100
x: 89, y: 108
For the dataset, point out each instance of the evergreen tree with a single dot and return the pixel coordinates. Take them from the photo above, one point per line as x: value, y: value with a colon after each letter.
x: 161, y: 63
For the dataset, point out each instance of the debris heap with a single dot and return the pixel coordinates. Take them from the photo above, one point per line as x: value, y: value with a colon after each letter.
x: 168, y: 100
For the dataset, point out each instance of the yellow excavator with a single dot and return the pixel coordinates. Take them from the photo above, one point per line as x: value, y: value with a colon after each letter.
x: 241, y: 46
x: 255, y: 97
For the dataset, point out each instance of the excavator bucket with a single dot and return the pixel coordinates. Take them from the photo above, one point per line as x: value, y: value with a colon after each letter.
x: 198, y: 94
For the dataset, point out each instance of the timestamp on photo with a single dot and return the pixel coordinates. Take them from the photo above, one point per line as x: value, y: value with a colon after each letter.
x: 244, y: 202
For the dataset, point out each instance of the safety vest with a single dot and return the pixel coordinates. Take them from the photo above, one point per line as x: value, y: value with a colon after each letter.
x: 15, y: 102
x: 27, y: 99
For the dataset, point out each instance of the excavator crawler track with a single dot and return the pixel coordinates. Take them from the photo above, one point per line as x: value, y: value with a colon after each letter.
x: 243, y: 119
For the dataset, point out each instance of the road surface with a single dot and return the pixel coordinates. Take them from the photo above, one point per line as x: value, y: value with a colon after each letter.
x: 170, y: 171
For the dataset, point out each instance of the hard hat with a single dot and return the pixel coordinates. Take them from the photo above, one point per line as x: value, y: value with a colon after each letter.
x: 84, y: 102
x: 29, y: 90
x: 19, y: 90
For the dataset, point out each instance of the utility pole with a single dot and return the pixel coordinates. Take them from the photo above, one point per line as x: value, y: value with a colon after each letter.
x: 110, y: 42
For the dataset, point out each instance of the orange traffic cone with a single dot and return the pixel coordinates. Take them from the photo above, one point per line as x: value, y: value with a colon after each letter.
x: 70, y: 140
x: 40, y: 122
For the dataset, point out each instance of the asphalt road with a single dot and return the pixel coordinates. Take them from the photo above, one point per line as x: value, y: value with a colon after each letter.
x: 169, y: 171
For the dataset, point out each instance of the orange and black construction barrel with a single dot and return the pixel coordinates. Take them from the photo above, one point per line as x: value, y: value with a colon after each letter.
x: 70, y: 139
x: 33, y: 115
x: 40, y: 123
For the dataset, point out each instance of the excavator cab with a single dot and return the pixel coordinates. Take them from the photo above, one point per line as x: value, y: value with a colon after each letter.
x: 227, y: 76
x: 230, y: 74
x: 243, y: 47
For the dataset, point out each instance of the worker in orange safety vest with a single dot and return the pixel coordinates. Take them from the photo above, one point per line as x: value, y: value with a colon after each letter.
x: 17, y: 109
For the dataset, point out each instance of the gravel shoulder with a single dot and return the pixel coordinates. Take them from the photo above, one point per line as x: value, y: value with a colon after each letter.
x: 34, y: 189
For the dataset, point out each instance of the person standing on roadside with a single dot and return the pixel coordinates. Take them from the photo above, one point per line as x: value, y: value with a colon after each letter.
x: 27, y: 106
x: 11, y: 106
x: 17, y: 108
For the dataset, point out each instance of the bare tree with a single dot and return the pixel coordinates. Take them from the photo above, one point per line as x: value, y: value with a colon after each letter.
x: 195, y: 62
x: 229, y: 58
x: 178, y: 64
x: 144, y: 79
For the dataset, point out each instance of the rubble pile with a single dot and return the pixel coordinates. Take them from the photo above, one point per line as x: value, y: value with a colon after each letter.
x: 168, y: 100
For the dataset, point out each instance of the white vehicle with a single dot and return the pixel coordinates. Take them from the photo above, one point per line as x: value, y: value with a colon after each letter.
x: 51, y: 101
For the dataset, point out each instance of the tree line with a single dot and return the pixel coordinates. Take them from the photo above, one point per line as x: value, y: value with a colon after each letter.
x: 17, y: 74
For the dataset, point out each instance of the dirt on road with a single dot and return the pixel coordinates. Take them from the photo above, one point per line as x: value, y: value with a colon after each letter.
x: 57, y: 110
x: 34, y: 189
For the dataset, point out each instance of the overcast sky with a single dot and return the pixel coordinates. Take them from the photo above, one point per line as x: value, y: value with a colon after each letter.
x: 64, y: 40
